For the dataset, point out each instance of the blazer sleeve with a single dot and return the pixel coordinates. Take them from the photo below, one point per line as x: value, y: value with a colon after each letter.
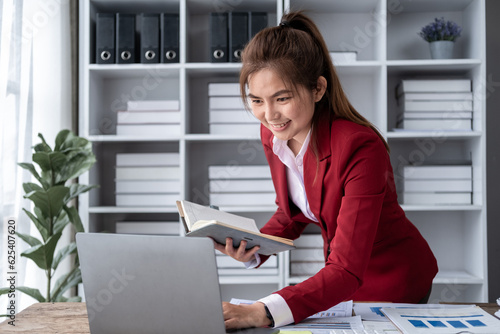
x: 360, y: 169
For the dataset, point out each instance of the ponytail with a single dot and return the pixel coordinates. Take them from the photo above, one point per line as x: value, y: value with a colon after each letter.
x: 296, y: 43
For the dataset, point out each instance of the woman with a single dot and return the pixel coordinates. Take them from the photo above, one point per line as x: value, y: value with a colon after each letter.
x: 331, y: 168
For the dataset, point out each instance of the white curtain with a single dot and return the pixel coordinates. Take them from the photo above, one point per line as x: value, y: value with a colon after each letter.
x: 35, y: 97
x: 16, y: 108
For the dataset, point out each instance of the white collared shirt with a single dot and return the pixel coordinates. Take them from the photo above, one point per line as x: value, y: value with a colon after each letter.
x: 277, y: 306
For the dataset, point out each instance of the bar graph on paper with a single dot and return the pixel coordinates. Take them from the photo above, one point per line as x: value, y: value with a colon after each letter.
x: 442, y: 321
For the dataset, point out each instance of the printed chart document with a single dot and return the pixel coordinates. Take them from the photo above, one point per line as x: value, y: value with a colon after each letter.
x: 443, y: 320
x: 203, y: 221
x: 372, y: 311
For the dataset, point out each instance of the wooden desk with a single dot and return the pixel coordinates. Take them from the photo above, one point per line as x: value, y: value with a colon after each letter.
x: 71, y: 318
x: 45, y: 318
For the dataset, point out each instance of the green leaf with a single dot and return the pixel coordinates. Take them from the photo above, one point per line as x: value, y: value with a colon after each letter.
x: 35, y: 293
x: 61, y: 138
x: 63, y: 253
x: 43, y: 254
x: 40, y: 224
x: 50, y: 162
x: 31, y: 168
x: 29, y: 187
x: 76, y: 189
x: 4, y: 291
x: 65, y: 282
x: 74, y: 217
x: 50, y: 202
x: 32, y: 241
x: 61, y: 222
x: 77, y: 165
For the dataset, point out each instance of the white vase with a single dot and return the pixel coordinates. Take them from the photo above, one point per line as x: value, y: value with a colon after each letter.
x: 441, y: 49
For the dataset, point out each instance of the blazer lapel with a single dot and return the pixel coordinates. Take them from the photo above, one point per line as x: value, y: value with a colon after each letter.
x: 313, y: 173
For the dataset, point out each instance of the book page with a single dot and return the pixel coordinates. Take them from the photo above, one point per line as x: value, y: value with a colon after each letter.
x: 194, y: 212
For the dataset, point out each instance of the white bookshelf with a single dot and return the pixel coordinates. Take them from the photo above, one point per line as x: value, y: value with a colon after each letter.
x: 384, y: 33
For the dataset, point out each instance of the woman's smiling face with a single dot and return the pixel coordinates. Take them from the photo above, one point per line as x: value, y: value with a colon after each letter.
x: 288, y: 114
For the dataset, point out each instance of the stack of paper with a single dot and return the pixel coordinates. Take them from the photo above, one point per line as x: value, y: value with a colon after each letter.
x: 150, y: 118
x: 435, y: 104
x: 308, y: 258
x: 147, y: 179
x: 227, y: 114
x: 246, y: 185
x: 443, y: 184
x: 227, y: 266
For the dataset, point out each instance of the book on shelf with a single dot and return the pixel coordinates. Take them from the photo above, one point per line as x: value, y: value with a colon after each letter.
x: 433, y: 85
x: 455, y: 124
x: 231, y: 116
x: 146, y: 199
x: 225, y: 102
x: 148, y: 159
x: 148, y: 117
x: 436, y: 185
x: 203, y: 221
x: 235, y: 186
x: 306, y: 268
x: 427, y: 172
x: 242, y: 199
x: 343, y: 57
x: 148, y: 173
x: 225, y: 261
x: 435, y: 115
x: 429, y: 106
x: 151, y: 130
x: 228, y: 172
x: 309, y: 241
x: 436, y: 96
x: 147, y: 186
x: 435, y: 198
x: 223, y: 89
x: 242, y: 129
x: 147, y: 227
x: 307, y: 254
x: 245, y: 272
x: 150, y: 105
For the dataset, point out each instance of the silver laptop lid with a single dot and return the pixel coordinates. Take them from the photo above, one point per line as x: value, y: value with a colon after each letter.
x: 150, y: 284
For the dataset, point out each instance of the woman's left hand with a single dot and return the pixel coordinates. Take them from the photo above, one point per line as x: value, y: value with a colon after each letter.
x: 245, y: 316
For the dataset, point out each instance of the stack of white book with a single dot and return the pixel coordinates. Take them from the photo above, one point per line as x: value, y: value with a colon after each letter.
x: 147, y: 179
x: 244, y: 185
x: 149, y: 118
x: 148, y: 227
x: 227, y: 113
x: 437, y: 185
x: 227, y: 266
x: 435, y: 104
x: 308, y: 257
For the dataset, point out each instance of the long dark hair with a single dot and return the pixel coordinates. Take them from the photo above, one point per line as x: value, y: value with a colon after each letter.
x: 297, y: 52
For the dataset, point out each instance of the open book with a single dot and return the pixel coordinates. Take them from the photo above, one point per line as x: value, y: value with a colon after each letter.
x: 203, y: 221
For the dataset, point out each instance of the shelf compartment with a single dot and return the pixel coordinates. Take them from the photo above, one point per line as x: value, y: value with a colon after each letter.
x: 404, y: 24
x: 358, y: 25
x: 456, y: 239
x: 197, y: 19
x: 101, y: 221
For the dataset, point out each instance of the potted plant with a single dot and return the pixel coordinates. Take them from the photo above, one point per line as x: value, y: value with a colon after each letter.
x: 51, y: 197
x: 441, y: 35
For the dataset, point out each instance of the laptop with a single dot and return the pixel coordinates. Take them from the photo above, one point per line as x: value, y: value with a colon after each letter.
x: 151, y: 284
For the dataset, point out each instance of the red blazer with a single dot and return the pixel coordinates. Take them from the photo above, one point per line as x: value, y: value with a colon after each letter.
x: 373, y: 252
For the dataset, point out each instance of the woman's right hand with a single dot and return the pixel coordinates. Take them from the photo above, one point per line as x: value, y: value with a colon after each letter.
x: 240, y: 253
